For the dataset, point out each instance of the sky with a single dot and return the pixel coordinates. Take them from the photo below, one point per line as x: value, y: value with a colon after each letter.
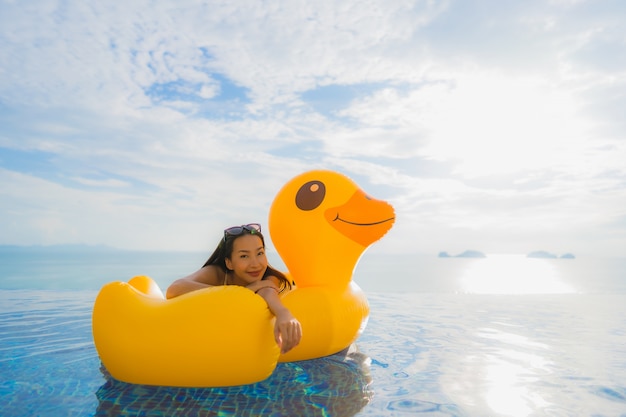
x: 496, y: 126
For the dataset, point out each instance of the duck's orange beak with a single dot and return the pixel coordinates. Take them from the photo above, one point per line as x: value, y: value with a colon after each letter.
x: 362, y: 218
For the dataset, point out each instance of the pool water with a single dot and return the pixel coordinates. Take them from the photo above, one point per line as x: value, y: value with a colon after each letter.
x: 424, y: 354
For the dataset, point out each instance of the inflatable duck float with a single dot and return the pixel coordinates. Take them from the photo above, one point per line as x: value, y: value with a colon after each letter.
x: 320, y: 222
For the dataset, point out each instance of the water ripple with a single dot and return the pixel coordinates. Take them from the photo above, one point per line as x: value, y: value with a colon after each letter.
x: 54, y: 323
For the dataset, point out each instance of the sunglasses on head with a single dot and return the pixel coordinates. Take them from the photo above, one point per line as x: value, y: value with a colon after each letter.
x: 238, y: 230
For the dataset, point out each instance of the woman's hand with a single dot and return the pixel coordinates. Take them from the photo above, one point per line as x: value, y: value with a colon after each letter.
x: 287, y: 331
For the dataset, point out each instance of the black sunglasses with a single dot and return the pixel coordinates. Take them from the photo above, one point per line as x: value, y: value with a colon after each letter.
x: 238, y: 230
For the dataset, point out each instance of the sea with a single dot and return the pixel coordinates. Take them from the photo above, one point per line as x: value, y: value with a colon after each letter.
x: 504, y: 335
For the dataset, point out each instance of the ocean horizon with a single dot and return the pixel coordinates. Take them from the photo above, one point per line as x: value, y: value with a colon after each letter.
x: 504, y: 335
x: 86, y: 267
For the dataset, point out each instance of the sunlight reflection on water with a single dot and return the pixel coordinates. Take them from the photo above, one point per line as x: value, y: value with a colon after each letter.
x: 510, y: 370
x: 513, y: 274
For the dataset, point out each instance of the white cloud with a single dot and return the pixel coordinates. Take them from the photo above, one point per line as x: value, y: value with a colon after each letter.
x: 483, y: 125
x: 108, y: 183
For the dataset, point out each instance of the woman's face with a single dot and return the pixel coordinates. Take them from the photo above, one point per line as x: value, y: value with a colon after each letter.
x: 247, y: 261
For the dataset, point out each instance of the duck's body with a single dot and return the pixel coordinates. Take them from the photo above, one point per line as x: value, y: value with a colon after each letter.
x: 143, y: 338
x: 331, y: 320
x: 320, y: 223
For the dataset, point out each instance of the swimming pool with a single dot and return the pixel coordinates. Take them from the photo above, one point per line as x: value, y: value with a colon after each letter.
x: 425, y: 354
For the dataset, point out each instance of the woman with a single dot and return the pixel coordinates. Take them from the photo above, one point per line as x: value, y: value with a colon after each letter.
x: 239, y: 259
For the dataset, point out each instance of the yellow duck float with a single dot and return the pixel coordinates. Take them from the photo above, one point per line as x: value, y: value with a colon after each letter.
x: 320, y: 222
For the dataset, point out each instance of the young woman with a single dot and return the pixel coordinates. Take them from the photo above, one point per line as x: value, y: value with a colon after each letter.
x: 239, y: 259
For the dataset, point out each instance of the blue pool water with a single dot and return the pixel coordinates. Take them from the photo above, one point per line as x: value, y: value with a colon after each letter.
x: 459, y: 347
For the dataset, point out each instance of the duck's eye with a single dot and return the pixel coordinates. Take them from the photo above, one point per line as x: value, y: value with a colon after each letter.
x: 310, y: 195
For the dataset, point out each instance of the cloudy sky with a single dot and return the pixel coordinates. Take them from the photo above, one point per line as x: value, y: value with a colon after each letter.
x: 490, y: 125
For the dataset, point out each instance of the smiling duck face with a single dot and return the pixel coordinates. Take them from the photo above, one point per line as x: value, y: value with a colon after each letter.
x: 321, y: 222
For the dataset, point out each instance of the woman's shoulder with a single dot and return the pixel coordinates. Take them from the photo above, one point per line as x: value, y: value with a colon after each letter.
x: 210, y: 275
x: 273, y: 278
x: 279, y: 279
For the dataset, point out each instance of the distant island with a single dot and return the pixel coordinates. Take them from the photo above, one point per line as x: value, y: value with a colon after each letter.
x: 542, y: 254
x: 466, y: 254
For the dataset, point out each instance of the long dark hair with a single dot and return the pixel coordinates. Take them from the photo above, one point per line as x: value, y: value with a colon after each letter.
x: 224, y: 250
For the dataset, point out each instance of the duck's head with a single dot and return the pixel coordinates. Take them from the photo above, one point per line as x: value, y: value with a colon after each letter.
x: 321, y: 222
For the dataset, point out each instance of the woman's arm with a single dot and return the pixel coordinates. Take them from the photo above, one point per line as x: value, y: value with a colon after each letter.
x: 287, y: 329
x: 206, y: 277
